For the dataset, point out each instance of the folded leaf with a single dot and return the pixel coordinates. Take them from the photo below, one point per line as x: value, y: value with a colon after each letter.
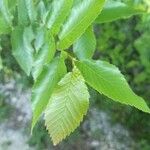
x: 21, y: 40
x: 41, y: 12
x: 60, y: 10
x: 114, y: 10
x: 44, y: 86
x: 85, y: 46
x: 67, y: 106
x: 107, y: 79
x: 81, y: 17
x: 45, y: 50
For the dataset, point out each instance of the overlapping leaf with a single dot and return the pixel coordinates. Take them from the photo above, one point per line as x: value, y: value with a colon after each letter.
x: 114, y: 10
x: 45, y: 49
x: 60, y: 10
x: 80, y: 18
x: 32, y: 48
x: 44, y: 86
x: 67, y: 106
x: 107, y: 79
x: 22, y: 49
x: 85, y: 46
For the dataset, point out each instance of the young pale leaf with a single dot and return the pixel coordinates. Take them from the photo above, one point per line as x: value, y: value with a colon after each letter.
x: 44, y: 86
x: 114, y: 10
x: 22, y: 50
x: 26, y: 12
x: 41, y: 12
x: 67, y: 106
x: 45, y: 47
x: 85, y: 46
x: 80, y: 18
x: 60, y: 10
x: 107, y: 79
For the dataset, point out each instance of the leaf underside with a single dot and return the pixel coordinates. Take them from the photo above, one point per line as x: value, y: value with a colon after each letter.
x: 67, y: 106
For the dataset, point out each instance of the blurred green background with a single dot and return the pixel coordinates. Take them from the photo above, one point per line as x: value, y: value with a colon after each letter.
x: 108, y: 125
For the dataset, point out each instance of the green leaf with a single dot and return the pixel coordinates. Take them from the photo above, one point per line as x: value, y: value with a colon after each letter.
x: 107, y: 79
x: 60, y: 10
x: 81, y: 17
x: 114, y: 10
x: 26, y: 13
x: 45, y: 47
x: 4, y: 27
x: 12, y: 4
x: 21, y: 40
x: 44, y: 86
x: 4, y: 11
x: 67, y: 106
x: 5, y: 18
x: 85, y: 46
